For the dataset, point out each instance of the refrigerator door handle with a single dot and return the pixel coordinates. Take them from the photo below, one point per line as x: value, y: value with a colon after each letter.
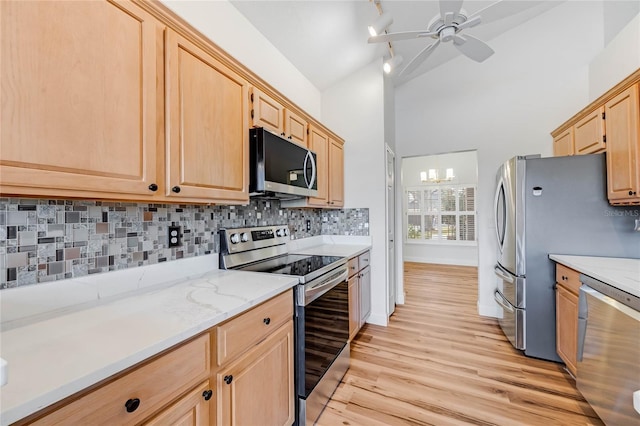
x: 500, y: 272
x: 502, y: 302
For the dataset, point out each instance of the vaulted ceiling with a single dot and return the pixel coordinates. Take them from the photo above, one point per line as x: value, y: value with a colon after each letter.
x: 327, y: 40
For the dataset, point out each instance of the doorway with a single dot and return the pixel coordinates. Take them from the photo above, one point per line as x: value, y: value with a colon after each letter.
x: 390, y: 201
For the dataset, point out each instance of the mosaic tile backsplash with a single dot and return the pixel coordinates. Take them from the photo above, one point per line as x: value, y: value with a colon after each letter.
x: 48, y: 240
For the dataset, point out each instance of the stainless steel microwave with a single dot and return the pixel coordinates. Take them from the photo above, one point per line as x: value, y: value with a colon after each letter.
x: 280, y: 168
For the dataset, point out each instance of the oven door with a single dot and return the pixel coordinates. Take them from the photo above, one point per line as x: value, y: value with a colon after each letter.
x: 323, y: 327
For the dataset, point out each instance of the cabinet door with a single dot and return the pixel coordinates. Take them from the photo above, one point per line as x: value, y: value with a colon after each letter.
x: 190, y: 410
x: 336, y: 173
x: 295, y: 128
x: 319, y: 143
x: 257, y: 389
x: 589, y: 133
x: 365, y: 294
x: 207, y: 125
x: 354, y: 306
x: 563, y: 143
x: 78, y: 108
x: 567, y: 327
x: 622, y: 146
x: 266, y: 112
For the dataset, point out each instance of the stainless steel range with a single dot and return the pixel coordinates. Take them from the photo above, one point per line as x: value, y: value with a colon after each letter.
x: 321, y: 301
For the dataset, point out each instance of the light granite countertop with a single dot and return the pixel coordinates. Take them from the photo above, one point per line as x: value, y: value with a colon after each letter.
x: 51, y: 359
x: 60, y: 338
x: 621, y: 273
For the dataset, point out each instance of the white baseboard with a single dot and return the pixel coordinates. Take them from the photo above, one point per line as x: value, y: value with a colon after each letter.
x: 400, y: 299
x: 492, y: 310
x: 378, y: 320
x: 459, y: 262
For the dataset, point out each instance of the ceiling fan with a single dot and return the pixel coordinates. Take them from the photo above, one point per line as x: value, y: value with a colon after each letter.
x: 445, y: 27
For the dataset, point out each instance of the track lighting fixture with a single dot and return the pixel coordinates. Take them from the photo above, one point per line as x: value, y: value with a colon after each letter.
x: 380, y: 25
x: 391, y: 64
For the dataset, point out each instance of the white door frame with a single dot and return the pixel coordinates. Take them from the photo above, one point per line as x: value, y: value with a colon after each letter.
x: 390, y: 209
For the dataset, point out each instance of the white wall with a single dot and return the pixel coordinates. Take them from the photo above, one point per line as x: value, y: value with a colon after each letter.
x: 620, y: 58
x: 464, y: 165
x: 230, y: 30
x: 354, y: 109
x: 506, y: 106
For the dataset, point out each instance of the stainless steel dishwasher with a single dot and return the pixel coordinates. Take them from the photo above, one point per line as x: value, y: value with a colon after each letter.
x: 609, y: 351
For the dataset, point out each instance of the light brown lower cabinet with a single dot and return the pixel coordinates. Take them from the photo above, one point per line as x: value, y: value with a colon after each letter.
x: 191, y: 409
x: 567, y: 288
x: 257, y: 388
x: 187, y: 386
x: 359, y: 292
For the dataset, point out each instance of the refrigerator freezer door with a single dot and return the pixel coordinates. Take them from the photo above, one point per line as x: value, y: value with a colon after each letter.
x: 512, y: 321
x: 511, y: 286
x: 509, y: 220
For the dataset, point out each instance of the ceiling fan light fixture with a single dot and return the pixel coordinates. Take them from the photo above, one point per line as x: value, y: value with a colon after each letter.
x: 392, y: 64
x: 380, y: 25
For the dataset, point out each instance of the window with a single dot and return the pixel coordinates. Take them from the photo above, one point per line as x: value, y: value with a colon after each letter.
x: 439, y: 213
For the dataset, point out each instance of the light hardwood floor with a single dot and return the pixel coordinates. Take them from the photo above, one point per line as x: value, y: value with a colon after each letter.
x: 440, y: 363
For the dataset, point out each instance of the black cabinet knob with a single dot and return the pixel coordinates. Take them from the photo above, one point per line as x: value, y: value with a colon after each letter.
x: 132, y: 405
x: 289, y: 137
x: 630, y: 192
x: 266, y: 320
x: 176, y: 189
x: 207, y: 394
x: 153, y: 187
x: 228, y: 379
x: 282, y: 134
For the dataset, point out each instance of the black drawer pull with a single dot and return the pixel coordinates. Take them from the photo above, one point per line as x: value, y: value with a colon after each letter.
x: 207, y: 394
x: 132, y: 405
x: 266, y: 321
x: 228, y: 379
x: 153, y: 187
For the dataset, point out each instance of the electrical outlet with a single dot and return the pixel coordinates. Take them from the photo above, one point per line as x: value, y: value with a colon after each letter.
x: 308, y: 225
x: 175, y: 239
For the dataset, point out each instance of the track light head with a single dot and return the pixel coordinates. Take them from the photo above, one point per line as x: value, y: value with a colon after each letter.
x: 380, y: 25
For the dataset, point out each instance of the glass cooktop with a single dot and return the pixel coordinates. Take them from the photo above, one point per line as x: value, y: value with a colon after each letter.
x: 300, y: 265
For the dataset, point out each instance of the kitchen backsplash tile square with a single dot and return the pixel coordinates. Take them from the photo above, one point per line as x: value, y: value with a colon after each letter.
x: 46, y: 240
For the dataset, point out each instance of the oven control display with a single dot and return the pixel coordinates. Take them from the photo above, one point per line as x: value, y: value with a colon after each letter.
x: 266, y: 234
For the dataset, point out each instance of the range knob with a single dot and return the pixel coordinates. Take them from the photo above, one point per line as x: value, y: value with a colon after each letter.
x: 244, y: 237
x: 286, y: 231
x: 234, y: 238
x: 280, y: 232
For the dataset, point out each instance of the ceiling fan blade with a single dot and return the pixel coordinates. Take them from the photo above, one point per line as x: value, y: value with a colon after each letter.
x: 405, y: 35
x: 420, y: 58
x: 472, y: 47
x: 450, y: 6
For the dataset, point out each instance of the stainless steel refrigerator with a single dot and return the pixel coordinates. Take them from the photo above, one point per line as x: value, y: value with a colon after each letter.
x: 551, y: 205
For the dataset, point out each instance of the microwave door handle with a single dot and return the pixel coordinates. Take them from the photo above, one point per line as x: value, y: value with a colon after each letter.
x: 311, y: 181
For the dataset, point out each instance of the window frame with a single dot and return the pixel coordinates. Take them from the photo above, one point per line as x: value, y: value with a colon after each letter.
x: 422, y: 212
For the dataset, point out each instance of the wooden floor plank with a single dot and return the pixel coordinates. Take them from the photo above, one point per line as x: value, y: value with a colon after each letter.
x: 440, y: 363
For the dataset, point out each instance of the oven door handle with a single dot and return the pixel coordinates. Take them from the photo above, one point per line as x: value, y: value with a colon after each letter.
x: 312, y: 292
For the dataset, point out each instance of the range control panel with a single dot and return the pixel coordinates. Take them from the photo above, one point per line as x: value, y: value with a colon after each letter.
x: 244, y: 239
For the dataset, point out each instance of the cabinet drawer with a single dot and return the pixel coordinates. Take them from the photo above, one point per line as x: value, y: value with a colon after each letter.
x: 353, y: 266
x: 364, y: 260
x: 568, y: 278
x: 155, y: 385
x: 242, y: 332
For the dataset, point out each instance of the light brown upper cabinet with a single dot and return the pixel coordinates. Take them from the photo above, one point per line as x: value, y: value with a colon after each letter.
x: 78, y: 110
x: 336, y: 173
x: 589, y: 133
x: 623, y: 153
x: 563, y: 143
x: 268, y: 113
x: 319, y: 143
x: 207, y: 125
x: 610, y: 124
